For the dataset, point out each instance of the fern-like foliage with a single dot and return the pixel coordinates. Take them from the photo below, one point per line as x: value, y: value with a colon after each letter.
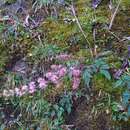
x: 124, y: 81
x: 45, y: 51
x: 99, y: 66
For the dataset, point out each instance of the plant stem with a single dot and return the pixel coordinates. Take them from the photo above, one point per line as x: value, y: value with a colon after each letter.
x: 81, y: 30
x: 114, y: 15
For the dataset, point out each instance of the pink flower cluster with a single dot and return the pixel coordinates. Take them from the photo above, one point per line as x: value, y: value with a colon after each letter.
x: 54, y: 76
x: 31, y: 87
x: 42, y: 83
x: 76, y: 74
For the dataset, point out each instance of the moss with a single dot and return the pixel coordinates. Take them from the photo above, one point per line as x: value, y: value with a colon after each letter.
x: 58, y: 32
x: 10, y: 1
x: 100, y: 82
x: 83, y: 53
x: 3, y: 56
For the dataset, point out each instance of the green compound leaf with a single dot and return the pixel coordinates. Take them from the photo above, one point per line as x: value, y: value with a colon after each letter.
x: 87, y: 77
x: 106, y: 74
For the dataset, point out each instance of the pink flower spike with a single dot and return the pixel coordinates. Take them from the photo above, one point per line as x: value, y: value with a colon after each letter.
x: 39, y: 79
x: 54, y: 79
x: 24, y: 88
x: 76, y: 83
x: 32, y: 87
x: 49, y: 74
x: 32, y: 84
x: 54, y: 66
x: 62, y: 72
x: 76, y: 72
x: 20, y: 93
x: 42, y: 83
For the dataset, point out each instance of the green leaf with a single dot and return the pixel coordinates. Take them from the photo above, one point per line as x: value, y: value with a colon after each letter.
x: 69, y: 109
x: 126, y: 78
x: 129, y: 111
x: 105, y: 67
x: 115, y: 107
x: 106, y: 74
x: 87, y: 77
x: 118, y: 83
x: 99, y: 62
x: 126, y: 97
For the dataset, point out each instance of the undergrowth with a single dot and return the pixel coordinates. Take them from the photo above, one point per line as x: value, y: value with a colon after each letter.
x: 57, y: 53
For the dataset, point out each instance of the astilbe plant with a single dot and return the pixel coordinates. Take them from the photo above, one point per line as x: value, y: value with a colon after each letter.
x: 56, y: 74
x: 53, y: 76
x: 76, y: 73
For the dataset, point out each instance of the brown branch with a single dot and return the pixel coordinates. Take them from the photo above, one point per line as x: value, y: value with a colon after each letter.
x: 114, y: 15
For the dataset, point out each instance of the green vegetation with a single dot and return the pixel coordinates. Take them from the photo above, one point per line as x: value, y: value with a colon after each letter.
x: 56, y: 55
